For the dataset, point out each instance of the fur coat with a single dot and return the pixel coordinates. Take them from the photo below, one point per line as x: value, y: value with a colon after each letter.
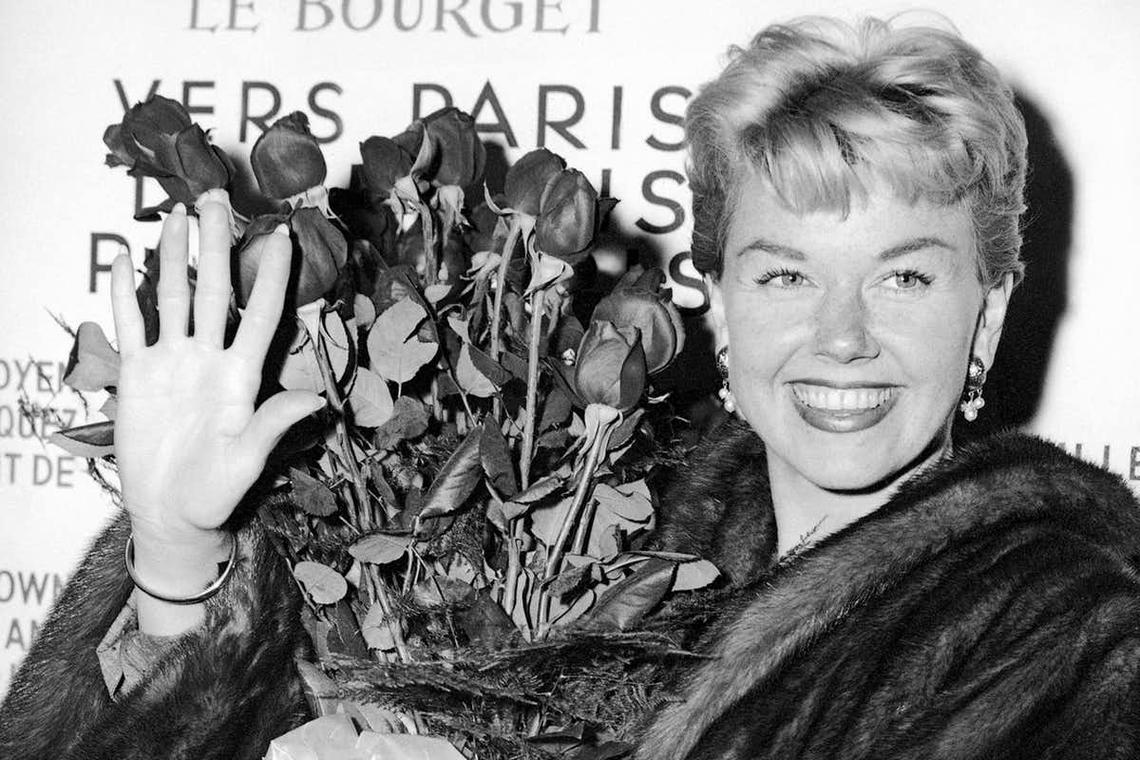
x: 990, y: 610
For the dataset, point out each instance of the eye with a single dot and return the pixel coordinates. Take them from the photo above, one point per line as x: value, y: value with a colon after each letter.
x: 908, y: 279
x: 781, y: 278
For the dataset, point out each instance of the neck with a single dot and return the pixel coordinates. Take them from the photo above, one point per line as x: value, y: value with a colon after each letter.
x: 805, y: 512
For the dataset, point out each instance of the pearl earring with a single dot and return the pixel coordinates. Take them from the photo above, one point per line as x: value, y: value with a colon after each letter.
x: 725, y: 392
x: 972, y: 399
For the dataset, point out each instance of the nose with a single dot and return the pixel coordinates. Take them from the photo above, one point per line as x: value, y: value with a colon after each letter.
x: 841, y: 328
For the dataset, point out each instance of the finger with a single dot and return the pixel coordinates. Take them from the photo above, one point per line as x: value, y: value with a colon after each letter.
x: 212, y: 294
x: 173, y: 287
x: 274, y: 418
x: 274, y: 254
x: 125, y: 305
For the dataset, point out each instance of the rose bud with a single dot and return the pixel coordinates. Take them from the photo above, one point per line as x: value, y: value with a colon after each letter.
x: 195, y: 165
x: 147, y: 132
x: 319, y: 250
x: 384, y: 162
x: 528, y: 177
x: 287, y: 159
x: 454, y: 155
x: 610, y: 366
x: 567, y: 215
x: 641, y: 302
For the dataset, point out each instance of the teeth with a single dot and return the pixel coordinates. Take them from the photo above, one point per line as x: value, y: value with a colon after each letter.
x: 841, y: 399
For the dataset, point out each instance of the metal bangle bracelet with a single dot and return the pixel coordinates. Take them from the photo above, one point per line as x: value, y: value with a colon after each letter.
x: 201, y: 596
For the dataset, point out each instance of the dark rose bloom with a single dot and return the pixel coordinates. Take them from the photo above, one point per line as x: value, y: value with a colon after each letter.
x: 287, y: 159
x: 567, y: 215
x: 528, y: 177
x: 610, y: 366
x: 157, y: 139
x: 319, y: 253
x: 447, y: 148
x: 384, y: 162
x: 641, y: 302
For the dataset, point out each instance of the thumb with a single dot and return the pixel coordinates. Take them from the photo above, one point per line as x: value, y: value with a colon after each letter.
x: 274, y: 418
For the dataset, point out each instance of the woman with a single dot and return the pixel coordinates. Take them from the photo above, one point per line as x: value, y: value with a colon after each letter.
x: 857, y: 195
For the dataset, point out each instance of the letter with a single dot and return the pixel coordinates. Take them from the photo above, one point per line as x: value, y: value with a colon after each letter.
x: 40, y: 475
x: 197, y: 85
x: 665, y: 117
x: 500, y: 125
x: 540, y: 9
x: 7, y: 373
x: 56, y: 587
x: 516, y: 17
x: 595, y: 14
x: 377, y: 9
x: 12, y: 457
x: 561, y: 126
x: 25, y: 371
x: 604, y: 185
x: 125, y: 101
x: 1134, y: 464
x: 690, y: 291
x: 15, y: 636
x: 615, y: 128
x: 333, y: 116
x: 9, y: 583
x: 657, y: 200
x: 43, y: 375
x: 262, y: 121
x: 303, y: 13
x: 454, y: 13
x: 32, y: 584
x: 194, y: 19
x: 398, y: 17
x: 64, y: 469
x: 26, y: 425
x: 419, y: 89
x: 7, y: 422
x: 97, y: 267
x: 234, y: 6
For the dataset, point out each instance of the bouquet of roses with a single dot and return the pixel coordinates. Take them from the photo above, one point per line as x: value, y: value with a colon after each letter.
x: 465, y: 518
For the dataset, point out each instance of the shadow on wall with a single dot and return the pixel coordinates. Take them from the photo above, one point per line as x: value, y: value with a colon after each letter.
x: 1016, y: 383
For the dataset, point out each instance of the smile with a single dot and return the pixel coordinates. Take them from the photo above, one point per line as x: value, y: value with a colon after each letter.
x: 843, y: 410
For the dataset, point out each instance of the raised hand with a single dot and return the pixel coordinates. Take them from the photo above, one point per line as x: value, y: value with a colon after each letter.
x: 188, y: 440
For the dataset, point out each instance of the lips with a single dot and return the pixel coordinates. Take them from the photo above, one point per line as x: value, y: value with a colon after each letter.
x: 845, y: 409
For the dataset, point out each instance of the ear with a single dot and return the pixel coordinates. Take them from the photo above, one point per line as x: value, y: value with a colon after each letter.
x: 716, y: 312
x: 991, y: 319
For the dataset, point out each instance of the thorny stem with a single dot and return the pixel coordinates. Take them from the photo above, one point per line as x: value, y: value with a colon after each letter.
x: 536, y: 308
x: 427, y: 225
x: 497, y: 312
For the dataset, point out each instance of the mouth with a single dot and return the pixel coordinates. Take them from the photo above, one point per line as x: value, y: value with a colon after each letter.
x: 843, y: 409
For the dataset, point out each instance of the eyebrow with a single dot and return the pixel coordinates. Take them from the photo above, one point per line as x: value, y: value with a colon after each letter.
x: 786, y: 252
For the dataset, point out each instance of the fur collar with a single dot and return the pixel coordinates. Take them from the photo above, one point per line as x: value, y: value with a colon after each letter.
x: 985, y: 486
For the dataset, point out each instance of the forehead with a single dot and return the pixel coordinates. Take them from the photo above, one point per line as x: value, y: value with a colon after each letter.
x: 875, y: 222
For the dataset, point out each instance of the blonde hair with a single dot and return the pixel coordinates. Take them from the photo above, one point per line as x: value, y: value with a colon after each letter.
x: 823, y: 110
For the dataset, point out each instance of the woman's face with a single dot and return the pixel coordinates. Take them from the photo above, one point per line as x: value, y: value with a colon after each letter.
x: 849, y: 337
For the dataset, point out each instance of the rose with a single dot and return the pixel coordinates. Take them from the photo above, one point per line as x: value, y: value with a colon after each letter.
x: 641, y: 302
x: 287, y: 159
x: 319, y: 253
x: 528, y: 177
x: 384, y: 161
x: 610, y: 366
x: 449, y: 151
x: 157, y: 139
x: 567, y: 215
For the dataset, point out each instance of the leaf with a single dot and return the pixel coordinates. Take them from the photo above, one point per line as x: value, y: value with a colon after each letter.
x: 93, y: 364
x: 370, y: 399
x: 624, y: 605
x: 87, y: 441
x: 404, y: 747
x: 110, y: 407
x: 440, y: 590
x: 489, y: 367
x: 395, y: 350
x: 299, y: 370
x: 312, y: 495
x: 436, y: 293
x: 323, y: 584
x: 409, y: 420
x: 694, y: 575
x: 456, y: 480
x: 628, y: 504
x: 380, y: 548
x: 339, y: 346
x: 495, y: 455
x: 470, y: 378
x: 546, y: 520
x: 376, y: 630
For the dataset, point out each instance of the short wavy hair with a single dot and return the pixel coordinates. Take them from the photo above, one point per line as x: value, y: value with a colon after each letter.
x: 822, y: 109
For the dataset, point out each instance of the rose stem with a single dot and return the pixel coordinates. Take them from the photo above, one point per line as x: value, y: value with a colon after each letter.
x: 497, y: 312
x: 536, y: 308
x: 427, y: 227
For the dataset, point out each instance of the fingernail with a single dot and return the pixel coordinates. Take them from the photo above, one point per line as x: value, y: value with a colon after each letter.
x: 178, y: 209
x: 281, y: 229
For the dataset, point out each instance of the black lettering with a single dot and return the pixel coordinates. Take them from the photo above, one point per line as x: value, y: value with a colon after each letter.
x: 192, y: 109
x: 377, y: 9
x: 32, y: 587
x: 461, y: 22
x: 261, y: 121
x: 7, y: 422
x: 43, y: 379
x: 97, y: 267
x: 658, y: 200
x: 500, y: 125
x: 1134, y: 464
x: 604, y: 185
x: 561, y: 126
x: 41, y: 470
x: 303, y: 14
x: 516, y: 17
x: 64, y: 469
x: 235, y: 5
x: 15, y: 636
x: 333, y: 116
x: 398, y: 16
x: 417, y: 100
x: 595, y: 15
x: 24, y: 370
x: 125, y: 102
x: 665, y: 117
x: 12, y: 457
x: 9, y: 583
x: 540, y: 9
x: 194, y: 19
x: 615, y: 127
x: 686, y: 277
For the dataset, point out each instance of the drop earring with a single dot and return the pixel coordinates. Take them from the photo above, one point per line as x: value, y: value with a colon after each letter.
x: 725, y: 392
x: 972, y: 399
